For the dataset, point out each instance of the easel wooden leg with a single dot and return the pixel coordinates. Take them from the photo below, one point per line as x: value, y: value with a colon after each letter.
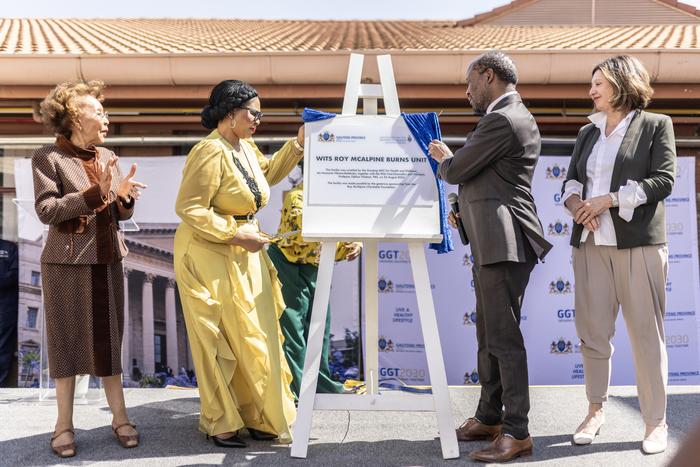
x: 433, y: 351
x: 312, y: 359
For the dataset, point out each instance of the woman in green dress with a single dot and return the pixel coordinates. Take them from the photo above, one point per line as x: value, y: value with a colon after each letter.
x: 296, y: 261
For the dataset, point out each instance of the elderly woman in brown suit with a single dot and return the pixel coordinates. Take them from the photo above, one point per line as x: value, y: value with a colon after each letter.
x: 81, y: 194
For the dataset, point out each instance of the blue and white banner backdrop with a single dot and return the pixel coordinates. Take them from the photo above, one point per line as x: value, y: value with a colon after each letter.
x: 455, y: 305
x: 548, y: 309
x: 550, y: 335
x: 401, y: 350
x: 683, y: 295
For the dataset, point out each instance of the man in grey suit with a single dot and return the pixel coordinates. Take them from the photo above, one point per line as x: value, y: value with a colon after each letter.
x: 494, y: 172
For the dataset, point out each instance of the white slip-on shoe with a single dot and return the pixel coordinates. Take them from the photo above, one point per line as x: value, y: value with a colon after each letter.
x: 589, y: 428
x: 656, y: 441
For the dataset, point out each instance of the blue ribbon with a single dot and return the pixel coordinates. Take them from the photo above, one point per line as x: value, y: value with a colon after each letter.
x: 312, y: 115
x: 424, y: 127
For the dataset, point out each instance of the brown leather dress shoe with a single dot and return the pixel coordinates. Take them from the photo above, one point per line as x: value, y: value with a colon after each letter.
x: 473, y: 430
x: 503, y: 449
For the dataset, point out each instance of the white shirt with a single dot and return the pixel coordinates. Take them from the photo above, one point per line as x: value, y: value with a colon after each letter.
x: 489, y: 109
x: 599, y: 169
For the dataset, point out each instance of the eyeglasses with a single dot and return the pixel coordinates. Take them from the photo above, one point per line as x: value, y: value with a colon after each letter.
x: 102, y: 115
x: 257, y: 115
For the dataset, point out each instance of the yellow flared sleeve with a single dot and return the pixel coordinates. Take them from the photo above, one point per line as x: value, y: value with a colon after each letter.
x: 201, y: 179
x: 277, y: 167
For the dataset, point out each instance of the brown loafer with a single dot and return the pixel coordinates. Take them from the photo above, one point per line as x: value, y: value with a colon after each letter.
x: 503, y: 449
x: 473, y: 430
x: 66, y: 450
x: 127, y: 441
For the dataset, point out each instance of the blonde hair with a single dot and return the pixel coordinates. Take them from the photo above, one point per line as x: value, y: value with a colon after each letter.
x: 60, y: 109
x: 630, y: 82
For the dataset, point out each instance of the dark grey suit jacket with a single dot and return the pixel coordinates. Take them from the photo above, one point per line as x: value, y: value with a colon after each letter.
x: 647, y: 155
x: 494, y: 173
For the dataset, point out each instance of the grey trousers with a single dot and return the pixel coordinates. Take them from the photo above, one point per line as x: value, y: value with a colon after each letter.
x: 501, y: 357
x: 634, y: 279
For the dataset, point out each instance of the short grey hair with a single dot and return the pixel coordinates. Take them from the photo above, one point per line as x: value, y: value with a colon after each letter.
x: 501, y: 64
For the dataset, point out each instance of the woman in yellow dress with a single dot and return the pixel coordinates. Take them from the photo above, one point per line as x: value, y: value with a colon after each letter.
x: 228, y: 286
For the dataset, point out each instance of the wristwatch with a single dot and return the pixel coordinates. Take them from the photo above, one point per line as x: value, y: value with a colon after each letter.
x: 615, y: 201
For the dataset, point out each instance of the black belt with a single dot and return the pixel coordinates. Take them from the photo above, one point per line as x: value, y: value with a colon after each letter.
x: 248, y: 217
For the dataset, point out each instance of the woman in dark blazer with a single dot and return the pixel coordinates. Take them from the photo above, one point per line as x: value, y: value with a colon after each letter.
x: 81, y: 194
x: 621, y: 170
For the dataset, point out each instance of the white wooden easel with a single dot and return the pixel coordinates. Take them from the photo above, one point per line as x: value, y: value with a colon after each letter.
x: 439, y: 400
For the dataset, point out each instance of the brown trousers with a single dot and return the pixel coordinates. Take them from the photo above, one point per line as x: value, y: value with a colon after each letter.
x: 634, y: 279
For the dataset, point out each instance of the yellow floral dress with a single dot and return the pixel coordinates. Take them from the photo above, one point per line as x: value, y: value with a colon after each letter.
x: 231, y: 298
x: 295, y: 248
x: 296, y: 261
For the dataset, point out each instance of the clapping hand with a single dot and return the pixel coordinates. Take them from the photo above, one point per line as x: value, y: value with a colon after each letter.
x: 104, y: 175
x: 129, y: 187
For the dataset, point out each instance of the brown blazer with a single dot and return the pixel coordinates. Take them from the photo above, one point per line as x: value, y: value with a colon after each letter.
x: 83, y: 226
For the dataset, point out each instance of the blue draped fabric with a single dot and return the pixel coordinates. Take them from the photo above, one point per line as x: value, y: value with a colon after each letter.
x: 424, y: 127
x: 312, y: 115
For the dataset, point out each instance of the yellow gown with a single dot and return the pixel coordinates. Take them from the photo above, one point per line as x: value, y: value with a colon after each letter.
x: 231, y: 298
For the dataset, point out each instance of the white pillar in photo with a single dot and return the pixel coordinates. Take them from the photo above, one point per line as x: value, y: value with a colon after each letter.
x: 126, y: 339
x: 149, y: 360
x: 190, y: 363
x: 171, y: 326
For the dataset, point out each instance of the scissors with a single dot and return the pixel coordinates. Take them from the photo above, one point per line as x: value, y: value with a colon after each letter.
x: 280, y: 236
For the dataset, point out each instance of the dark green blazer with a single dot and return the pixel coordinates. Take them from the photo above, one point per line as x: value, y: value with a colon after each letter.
x: 647, y: 155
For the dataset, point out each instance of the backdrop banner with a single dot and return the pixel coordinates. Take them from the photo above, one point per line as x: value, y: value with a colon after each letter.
x: 548, y: 310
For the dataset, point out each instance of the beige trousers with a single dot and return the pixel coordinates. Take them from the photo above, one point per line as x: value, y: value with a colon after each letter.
x: 634, y: 279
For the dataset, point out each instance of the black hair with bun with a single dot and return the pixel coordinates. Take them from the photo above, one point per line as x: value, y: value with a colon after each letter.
x: 225, y: 97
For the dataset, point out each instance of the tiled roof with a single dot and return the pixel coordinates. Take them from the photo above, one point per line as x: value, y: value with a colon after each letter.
x: 620, y: 12
x: 191, y: 36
